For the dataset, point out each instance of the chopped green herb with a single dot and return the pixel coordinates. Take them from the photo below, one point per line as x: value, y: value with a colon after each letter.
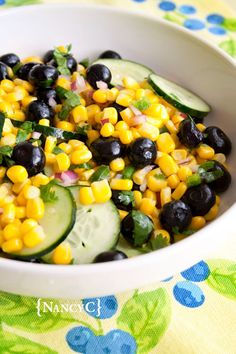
x: 158, y: 242
x: 47, y: 194
x: 6, y: 150
x: 126, y: 198
x: 142, y: 104
x: 185, y: 232
x: 84, y: 62
x: 83, y: 130
x: 9, y: 162
x: 160, y: 176
x: 16, y: 68
x: 61, y: 92
x: 86, y: 166
x: 209, y: 177
x: 207, y: 165
x: 57, y: 150
x: 194, y: 180
x: 175, y: 230
x: 71, y: 101
x: 163, y: 130
x: 27, y: 126
x: 101, y: 173
x: 128, y: 172
x: 143, y: 226
x: 21, y: 136
x: 61, y: 60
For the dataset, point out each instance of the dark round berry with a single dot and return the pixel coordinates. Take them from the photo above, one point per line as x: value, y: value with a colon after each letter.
x: 10, y: 59
x: 105, y: 150
x: 3, y: 71
x: 218, y: 140
x: 45, y: 94
x: 119, y: 109
x: 98, y: 72
x: 137, y: 228
x: 175, y: 215
x: 142, y: 152
x: 110, y: 54
x: 189, y: 134
x: 38, y: 110
x: 23, y: 72
x: 109, y: 256
x: 43, y: 75
x: 48, y: 56
x: 222, y: 183
x: 71, y: 63
x: 29, y: 156
x: 121, y: 200
x: 200, y: 199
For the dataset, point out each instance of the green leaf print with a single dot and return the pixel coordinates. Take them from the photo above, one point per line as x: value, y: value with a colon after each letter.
x: 13, y: 344
x: 230, y: 24
x: 21, y: 312
x: 146, y: 317
x: 229, y: 46
x: 22, y: 2
x: 222, y: 277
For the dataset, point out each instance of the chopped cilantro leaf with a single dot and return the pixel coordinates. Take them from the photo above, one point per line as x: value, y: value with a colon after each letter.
x: 128, y: 172
x: 142, y: 104
x: 143, y: 226
x: 83, y: 130
x: 6, y: 150
x: 194, y: 180
x: 47, y: 194
x: 207, y: 165
x: 101, y: 173
x: 57, y: 150
x: 86, y: 166
x: 61, y: 92
x: 160, y: 176
x: 27, y: 126
x: 16, y: 68
x: 21, y: 136
x: 71, y: 101
x: 158, y: 242
x: 61, y: 60
x: 126, y: 197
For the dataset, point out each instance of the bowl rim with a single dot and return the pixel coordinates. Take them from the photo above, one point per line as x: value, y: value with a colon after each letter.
x: 149, y: 258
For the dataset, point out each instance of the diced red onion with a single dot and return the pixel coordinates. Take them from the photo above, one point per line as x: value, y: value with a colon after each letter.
x: 185, y: 161
x: 183, y: 115
x: 67, y: 77
x: 194, y: 168
x: 74, y: 86
x: 135, y: 110
x: 148, y: 169
x: 104, y: 121
x: 52, y: 102
x: 119, y: 87
x: 36, y: 135
x: 118, y: 176
x: 81, y: 84
x: 101, y: 85
x: 67, y: 177
x: 136, y: 120
x: 143, y: 186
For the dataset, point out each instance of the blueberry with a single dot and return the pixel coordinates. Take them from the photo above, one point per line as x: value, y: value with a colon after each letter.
x: 200, y: 199
x: 175, y: 214
x: 78, y: 337
x: 94, y: 346
x: 101, y: 307
x: 222, y: 183
x: 37, y: 110
x: 218, y: 140
x: 198, y: 272
x: 10, y: 59
x: 118, y: 342
x: 109, y: 256
x: 43, y: 75
x: 189, y: 135
x: 23, y: 72
x: 3, y: 71
x: 98, y: 72
x: 110, y: 54
x: 142, y: 152
x: 188, y: 294
x: 105, y: 150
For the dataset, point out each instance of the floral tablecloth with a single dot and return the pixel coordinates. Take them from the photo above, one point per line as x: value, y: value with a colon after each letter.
x: 190, y: 313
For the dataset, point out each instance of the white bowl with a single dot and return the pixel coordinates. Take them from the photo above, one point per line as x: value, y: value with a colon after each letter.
x: 174, y: 53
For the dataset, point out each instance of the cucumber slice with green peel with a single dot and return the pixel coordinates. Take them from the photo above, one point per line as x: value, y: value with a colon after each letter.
x: 184, y: 100
x: 96, y: 230
x: 58, y: 221
x: 120, y: 68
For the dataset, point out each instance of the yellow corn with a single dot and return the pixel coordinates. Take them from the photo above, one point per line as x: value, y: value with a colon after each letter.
x: 35, y: 208
x: 121, y: 125
x: 179, y: 191
x: 212, y: 213
x: 112, y: 94
x: 27, y: 86
x: 100, y: 96
x: 130, y: 83
x: 67, y: 148
x: 205, y: 152
x: 86, y: 196
x: 171, y: 127
x: 164, y: 233
x: 124, y: 99
x: 50, y: 158
x: 135, y: 133
x: 9, y: 213
x: 157, y: 110
x: 12, y: 245
x: 2, y: 172
x: 150, y: 194
x: 17, y: 174
x: 173, y: 181
x: 122, y: 214
x: 28, y: 225
x: 63, y: 82
x: 168, y: 165
x: 197, y: 223
x: 62, y: 254
x: 92, y: 110
x: 179, y: 154
x: 19, y: 115
x: 165, y: 143
x: 21, y: 201
x: 27, y: 100
x: 121, y: 184
x: 184, y: 172
x: 45, y: 122
x: 9, y: 139
x: 137, y: 198
x: 50, y: 144
x: 149, y: 131
x: 201, y: 127
x: 32, y: 59
x: 85, y: 174
x: 101, y: 191
x: 7, y: 85
x: 139, y: 94
x: 1, y: 238
x: 111, y: 114
x: 11, y: 231
x: 217, y: 200
x: 117, y: 165
x: 31, y: 192
x: 156, y: 184
x: 79, y: 114
x: 126, y: 136
x: 8, y: 126
x: 147, y: 206
x: 176, y: 119
x: 127, y: 114
x: 40, y: 180
x: 139, y: 176
x: 62, y: 162
x: 65, y: 126
x: 92, y: 135
x: 18, y: 187
x: 75, y: 144
x: 20, y: 212
x: 220, y: 158
x: 107, y: 130
x: 34, y: 237
x: 78, y: 157
x: 165, y: 195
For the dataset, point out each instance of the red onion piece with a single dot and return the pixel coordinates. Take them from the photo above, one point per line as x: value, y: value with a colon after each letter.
x: 104, y: 121
x: 119, y: 87
x: 136, y: 120
x: 36, y: 135
x: 67, y: 177
x: 183, y: 115
x: 74, y: 86
x: 81, y: 84
x: 101, y: 85
x: 52, y: 103
x: 135, y: 110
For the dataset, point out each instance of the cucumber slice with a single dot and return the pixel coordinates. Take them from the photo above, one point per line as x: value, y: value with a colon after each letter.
x: 57, y: 223
x: 120, y: 68
x: 2, y: 121
x: 96, y: 230
x: 184, y: 100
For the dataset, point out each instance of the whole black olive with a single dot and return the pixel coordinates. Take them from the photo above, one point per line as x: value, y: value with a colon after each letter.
x: 43, y: 75
x: 38, y: 110
x: 45, y: 94
x: 109, y: 256
x: 3, y: 71
x: 29, y: 156
x: 222, y: 183
x: 200, y: 199
x: 98, y: 72
x: 189, y: 135
x: 176, y: 214
x: 23, y: 72
x: 142, y: 152
x: 110, y: 54
x: 105, y: 150
x: 218, y: 140
x: 10, y: 59
x: 137, y: 228
x: 120, y: 200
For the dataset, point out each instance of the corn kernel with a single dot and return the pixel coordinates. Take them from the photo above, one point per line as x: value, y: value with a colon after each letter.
x: 147, y: 206
x: 127, y: 115
x: 121, y: 125
x: 12, y: 245
x: 126, y: 137
x: 197, y: 223
x: 92, y: 110
x: 79, y: 157
x: 17, y: 174
x: 149, y: 131
x: 137, y: 198
x: 50, y: 144
x: 65, y: 126
x: 168, y: 165
x: 156, y: 184
x: 50, y: 158
x: 62, y: 162
x: 31, y: 192
x: 27, y: 100
x: 63, y: 82
x: 20, y: 199
x: 157, y: 110
x: 101, y: 191
x: 205, y: 152
x: 150, y: 194
x: 201, y: 127
x: 130, y: 83
x: 32, y: 59
x: 165, y: 195
x: 117, y: 165
x: 124, y: 100
x: 39, y: 180
x: 19, y: 115
x: 122, y: 213
x: 165, y: 143
x: 84, y: 175
x: 171, y: 127
x: 86, y: 196
x: 67, y: 148
x: 100, y: 96
x: 121, y: 184
x: 34, y: 237
x: 92, y: 135
x: 27, y: 86
x: 220, y: 158
x: 176, y: 119
x: 179, y: 154
x: 9, y: 213
x: 79, y: 114
x: 45, y: 122
x: 111, y: 114
x: 62, y: 254
x: 212, y: 213
x: 75, y: 144
x: 7, y: 85
x: 217, y: 200
x: 184, y: 172
x: 107, y: 130
x: 179, y: 191
x: 20, y: 212
x: 11, y: 231
x: 35, y: 208
x: 139, y: 176
x: 135, y: 133
x: 8, y: 126
x: 28, y: 225
x: 9, y: 139
x: 2, y: 172
x: 112, y: 94
x: 173, y: 181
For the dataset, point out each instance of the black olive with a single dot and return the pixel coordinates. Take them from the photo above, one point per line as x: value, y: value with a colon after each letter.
x: 142, y: 152
x: 10, y: 59
x: 43, y: 75
x: 117, y: 199
x: 105, y: 150
x: 23, y: 72
x: 48, y: 56
x: 29, y: 156
x: 98, y: 72
x: 119, y: 108
x: 109, y: 256
x: 3, y: 71
x: 200, y: 199
x: 176, y: 214
x: 189, y: 134
x: 44, y: 94
x: 38, y: 110
x: 222, y: 183
x: 137, y: 228
x: 110, y: 54
x: 218, y: 140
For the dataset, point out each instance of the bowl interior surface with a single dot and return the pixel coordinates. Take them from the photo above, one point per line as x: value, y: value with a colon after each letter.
x: 171, y: 52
